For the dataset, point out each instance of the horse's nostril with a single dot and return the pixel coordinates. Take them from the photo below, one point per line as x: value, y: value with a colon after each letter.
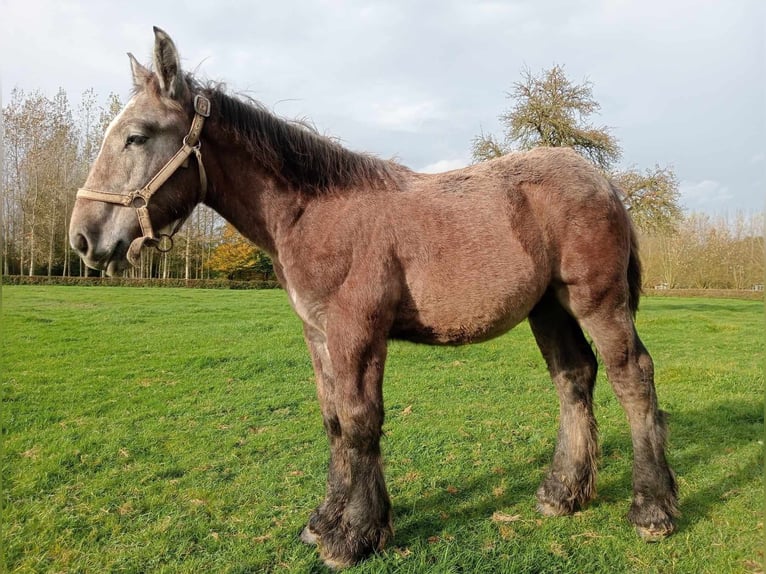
x: 80, y: 243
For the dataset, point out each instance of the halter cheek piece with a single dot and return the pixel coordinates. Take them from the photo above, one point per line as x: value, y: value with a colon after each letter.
x: 139, y: 199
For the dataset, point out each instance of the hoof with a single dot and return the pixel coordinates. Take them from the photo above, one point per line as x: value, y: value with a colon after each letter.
x: 655, y: 533
x: 309, y: 537
x: 341, y: 548
x: 653, y: 519
x: 335, y: 564
x: 554, y: 498
x: 551, y: 509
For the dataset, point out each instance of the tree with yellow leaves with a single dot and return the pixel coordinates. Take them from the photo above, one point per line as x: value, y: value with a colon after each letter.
x: 237, y: 258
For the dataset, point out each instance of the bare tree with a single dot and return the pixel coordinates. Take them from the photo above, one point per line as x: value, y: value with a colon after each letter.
x: 651, y: 196
x: 706, y: 252
x: 550, y: 110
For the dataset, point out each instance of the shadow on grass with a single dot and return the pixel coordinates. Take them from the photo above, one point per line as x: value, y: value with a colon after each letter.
x: 421, y: 516
x: 698, y: 438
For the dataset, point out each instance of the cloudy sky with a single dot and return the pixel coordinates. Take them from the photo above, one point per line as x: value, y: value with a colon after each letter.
x: 680, y: 82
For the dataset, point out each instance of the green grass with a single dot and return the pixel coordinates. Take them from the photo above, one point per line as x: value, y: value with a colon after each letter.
x: 149, y: 430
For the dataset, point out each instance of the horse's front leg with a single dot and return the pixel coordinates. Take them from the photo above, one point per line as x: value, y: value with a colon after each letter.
x: 354, y: 519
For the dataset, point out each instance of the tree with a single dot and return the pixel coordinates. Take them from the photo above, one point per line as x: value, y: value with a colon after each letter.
x: 236, y: 257
x: 551, y: 111
x: 651, y: 197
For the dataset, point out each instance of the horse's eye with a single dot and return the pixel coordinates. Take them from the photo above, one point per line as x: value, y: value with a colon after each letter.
x: 135, y: 139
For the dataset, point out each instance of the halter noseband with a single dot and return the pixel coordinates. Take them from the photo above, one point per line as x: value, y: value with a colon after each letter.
x: 139, y: 199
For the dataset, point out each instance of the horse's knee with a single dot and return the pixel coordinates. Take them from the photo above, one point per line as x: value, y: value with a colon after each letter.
x: 361, y: 425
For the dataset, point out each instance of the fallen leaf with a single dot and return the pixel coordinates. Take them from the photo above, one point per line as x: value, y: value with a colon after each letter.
x: 411, y: 476
x: 502, y: 517
x: 407, y: 410
x: 32, y: 453
x: 558, y: 550
x: 587, y: 534
x: 506, y: 532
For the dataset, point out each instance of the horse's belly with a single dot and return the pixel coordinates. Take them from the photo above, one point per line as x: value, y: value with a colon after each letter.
x: 458, y: 312
x: 470, y: 272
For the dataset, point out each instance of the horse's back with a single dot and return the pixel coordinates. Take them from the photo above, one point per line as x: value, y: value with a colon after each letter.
x: 479, y: 247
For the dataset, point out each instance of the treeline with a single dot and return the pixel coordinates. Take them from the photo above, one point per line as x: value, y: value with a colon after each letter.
x: 703, y: 252
x: 48, y: 147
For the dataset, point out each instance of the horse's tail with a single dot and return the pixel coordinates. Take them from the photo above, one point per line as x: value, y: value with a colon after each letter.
x: 634, y: 262
x: 634, y: 271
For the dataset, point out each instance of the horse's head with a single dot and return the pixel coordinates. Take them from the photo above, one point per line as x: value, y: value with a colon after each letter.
x: 142, y: 150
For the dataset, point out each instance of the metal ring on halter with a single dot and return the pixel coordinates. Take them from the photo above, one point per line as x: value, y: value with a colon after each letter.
x: 138, y: 202
x: 164, y: 243
x: 196, y: 146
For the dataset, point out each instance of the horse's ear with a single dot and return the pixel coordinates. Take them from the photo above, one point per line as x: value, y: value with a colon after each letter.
x: 167, y: 66
x: 141, y: 74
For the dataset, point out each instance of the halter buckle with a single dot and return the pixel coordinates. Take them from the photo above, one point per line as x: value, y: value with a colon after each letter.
x: 202, y: 105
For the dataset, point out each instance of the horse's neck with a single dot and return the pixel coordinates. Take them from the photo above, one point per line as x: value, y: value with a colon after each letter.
x: 247, y: 197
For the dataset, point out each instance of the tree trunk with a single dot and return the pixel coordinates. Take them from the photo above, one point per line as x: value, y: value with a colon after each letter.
x: 50, y: 242
x: 32, y: 252
x: 187, y: 255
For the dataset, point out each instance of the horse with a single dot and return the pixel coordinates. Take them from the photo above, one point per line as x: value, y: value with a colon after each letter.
x: 368, y: 250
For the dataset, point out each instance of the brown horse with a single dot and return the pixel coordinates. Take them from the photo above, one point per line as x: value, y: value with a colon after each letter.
x: 368, y: 250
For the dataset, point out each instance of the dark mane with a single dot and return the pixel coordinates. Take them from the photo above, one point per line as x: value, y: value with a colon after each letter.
x: 293, y: 151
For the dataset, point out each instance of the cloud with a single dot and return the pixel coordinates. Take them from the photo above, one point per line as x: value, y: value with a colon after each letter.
x: 418, y: 80
x: 401, y: 115
x: 704, y: 194
x: 444, y: 165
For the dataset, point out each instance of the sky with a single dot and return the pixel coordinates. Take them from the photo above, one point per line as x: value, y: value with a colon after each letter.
x: 681, y: 83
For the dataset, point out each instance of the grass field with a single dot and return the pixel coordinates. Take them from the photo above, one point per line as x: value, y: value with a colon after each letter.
x: 172, y: 430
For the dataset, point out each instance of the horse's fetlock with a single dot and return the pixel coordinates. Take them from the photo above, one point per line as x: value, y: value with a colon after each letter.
x: 344, y: 546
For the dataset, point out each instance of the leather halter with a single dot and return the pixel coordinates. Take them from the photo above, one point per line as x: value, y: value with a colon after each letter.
x: 139, y: 199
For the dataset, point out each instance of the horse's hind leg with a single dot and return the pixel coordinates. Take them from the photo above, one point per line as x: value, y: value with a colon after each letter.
x: 571, y: 481
x: 631, y: 373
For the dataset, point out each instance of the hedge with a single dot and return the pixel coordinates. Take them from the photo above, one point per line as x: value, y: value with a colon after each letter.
x: 747, y: 294
x: 131, y: 282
